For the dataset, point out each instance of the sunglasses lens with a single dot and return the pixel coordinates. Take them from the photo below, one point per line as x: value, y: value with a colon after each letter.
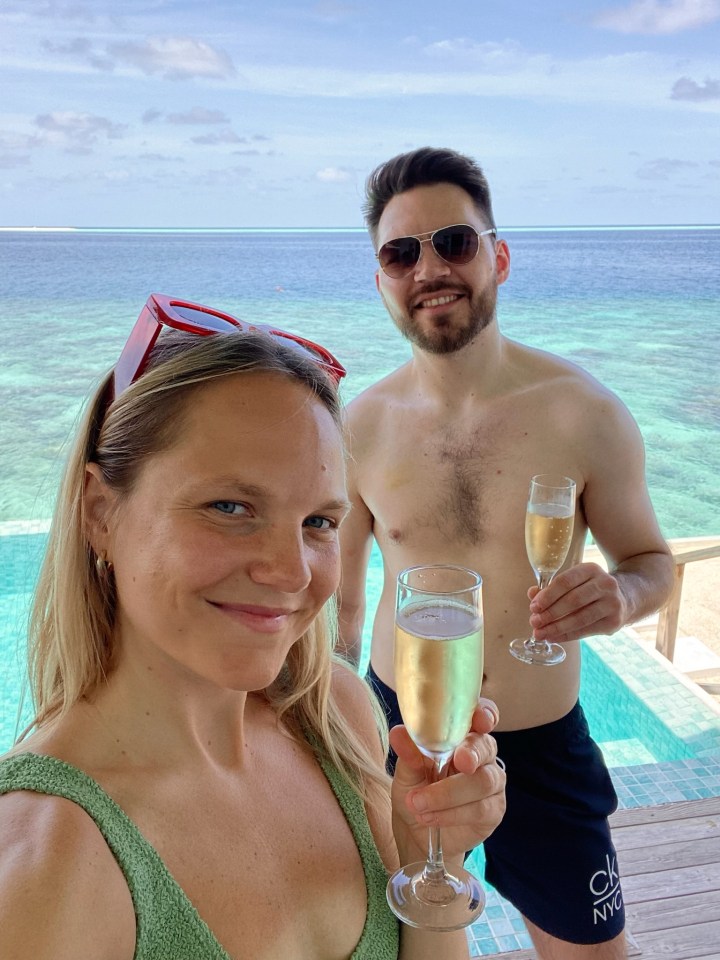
x: 456, y: 244
x: 302, y: 348
x: 398, y: 257
x: 202, y: 319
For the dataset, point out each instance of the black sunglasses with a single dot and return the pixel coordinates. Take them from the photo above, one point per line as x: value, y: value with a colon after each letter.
x: 457, y: 244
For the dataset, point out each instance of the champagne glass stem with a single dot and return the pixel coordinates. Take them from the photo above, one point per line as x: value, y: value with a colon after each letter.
x: 544, y: 579
x: 435, y: 866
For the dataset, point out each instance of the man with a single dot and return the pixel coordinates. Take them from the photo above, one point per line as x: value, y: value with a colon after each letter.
x: 442, y: 452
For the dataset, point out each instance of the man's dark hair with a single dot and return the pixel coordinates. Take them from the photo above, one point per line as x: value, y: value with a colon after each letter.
x: 421, y: 168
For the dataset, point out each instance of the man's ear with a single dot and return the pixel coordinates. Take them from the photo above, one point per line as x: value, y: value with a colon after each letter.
x: 502, y: 261
x: 99, y: 501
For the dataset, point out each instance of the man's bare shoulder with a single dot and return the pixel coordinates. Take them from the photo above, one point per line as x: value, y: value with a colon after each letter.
x: 392, y: 386
x: 61, y: 891
x: 535, y: 369
x: 373, y: 409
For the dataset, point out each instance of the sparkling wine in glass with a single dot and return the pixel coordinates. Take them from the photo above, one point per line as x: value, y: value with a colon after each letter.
x: 548, y: 533
x: 438, y: 673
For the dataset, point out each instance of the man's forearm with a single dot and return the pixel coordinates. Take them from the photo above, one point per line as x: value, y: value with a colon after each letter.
x: 350, y: 629
x: 645, y: 582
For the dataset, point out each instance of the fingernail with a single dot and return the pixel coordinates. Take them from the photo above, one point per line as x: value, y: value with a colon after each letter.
x: 491, y: 715
x: 419, y: 802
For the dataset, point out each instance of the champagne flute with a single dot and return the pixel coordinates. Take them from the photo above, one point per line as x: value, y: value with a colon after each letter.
x: 548, y: 532
x: 438, y: 673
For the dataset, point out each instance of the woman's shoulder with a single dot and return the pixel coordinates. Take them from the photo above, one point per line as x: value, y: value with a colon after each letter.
x: 355, y: 700
x: 61, y: 891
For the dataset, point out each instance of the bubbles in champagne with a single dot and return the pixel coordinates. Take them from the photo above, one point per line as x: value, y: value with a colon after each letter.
x: 548, y: 532
x: 438, y: 672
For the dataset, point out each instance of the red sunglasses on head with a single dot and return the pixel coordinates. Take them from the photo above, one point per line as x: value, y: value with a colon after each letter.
x: 161, y: 311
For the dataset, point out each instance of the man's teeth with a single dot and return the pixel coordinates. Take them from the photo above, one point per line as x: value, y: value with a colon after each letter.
x: 439, y: 301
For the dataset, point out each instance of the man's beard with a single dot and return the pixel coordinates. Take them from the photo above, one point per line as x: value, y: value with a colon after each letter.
x: 446, y: 336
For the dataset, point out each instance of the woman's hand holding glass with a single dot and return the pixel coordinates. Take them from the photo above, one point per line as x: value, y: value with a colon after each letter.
x: 467, y: 804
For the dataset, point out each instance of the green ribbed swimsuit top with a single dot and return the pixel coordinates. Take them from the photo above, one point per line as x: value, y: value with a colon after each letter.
x: 168, y: 925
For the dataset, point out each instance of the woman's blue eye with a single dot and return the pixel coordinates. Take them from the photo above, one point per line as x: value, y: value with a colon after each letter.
x: 320, y: 523
x: 228, y: 507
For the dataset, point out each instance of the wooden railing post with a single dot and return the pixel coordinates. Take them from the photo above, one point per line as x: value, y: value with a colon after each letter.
x: 683, y: 551
x: 669, y: 616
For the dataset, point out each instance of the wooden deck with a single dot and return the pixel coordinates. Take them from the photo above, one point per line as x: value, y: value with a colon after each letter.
x: 669, y: 858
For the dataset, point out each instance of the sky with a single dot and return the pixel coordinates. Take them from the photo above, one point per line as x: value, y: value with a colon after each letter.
x: 177, y: 113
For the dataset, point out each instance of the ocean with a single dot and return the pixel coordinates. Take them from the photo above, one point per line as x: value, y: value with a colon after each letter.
x: 639, y: 308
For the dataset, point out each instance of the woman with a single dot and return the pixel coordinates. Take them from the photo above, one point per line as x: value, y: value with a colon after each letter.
x: 203, y: 779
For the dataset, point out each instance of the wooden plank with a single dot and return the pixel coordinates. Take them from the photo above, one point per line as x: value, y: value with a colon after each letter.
x: 686, y: 880
x: 683, y: 555
x: 674, y: 911
x: 688, y: 831
x: 669, y: 856
x: 701, y: 941
x: 683, y: 549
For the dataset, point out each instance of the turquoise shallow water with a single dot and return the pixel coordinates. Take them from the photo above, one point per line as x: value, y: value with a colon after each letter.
x: 639, y: 309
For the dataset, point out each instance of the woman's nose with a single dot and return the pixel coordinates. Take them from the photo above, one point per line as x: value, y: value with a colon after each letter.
x: 282, y: 561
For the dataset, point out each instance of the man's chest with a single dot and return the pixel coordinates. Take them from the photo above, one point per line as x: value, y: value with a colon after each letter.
x: 463, y: 487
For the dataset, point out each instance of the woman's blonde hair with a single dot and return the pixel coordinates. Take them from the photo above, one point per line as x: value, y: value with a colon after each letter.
x: 71, y: 636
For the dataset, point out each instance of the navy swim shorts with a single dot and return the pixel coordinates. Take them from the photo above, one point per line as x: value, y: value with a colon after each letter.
x: 389, y: 702
x: 552, y: 855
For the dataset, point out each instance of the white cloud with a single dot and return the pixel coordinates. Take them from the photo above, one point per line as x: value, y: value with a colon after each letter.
x: 687, y: 89
x: 79, y: 49
x: 13, y: 161
x: 490, y: 56
x: 223, y: 136
x: 176, y: 58
x: 333, y: 175
x: 660, y: 16
x: 663, y: 168
x: 636, y: 79
x: 200, y: 115
x: 77, y: 131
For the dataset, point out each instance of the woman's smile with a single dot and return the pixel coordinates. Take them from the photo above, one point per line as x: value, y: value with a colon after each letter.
x: 258, y: 618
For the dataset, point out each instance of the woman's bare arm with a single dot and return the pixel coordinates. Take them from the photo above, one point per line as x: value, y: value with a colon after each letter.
x: 62, y: 895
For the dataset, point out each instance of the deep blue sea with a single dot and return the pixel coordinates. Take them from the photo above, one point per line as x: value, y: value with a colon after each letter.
x: 638, y: 308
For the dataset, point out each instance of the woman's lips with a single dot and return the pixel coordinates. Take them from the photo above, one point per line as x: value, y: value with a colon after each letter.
x: 263, y: 619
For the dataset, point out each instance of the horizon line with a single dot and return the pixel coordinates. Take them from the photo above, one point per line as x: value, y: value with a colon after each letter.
x: 509, y: 229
